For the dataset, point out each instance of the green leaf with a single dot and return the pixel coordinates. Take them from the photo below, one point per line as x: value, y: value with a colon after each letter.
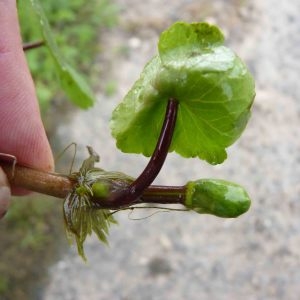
x: 217, y: 197
x: 213, y: 86
x: 71, y: 82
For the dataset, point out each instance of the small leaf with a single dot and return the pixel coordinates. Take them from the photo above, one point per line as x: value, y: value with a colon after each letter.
x: 217, y: 197
x: 213, y: 86
x: 71, y: 82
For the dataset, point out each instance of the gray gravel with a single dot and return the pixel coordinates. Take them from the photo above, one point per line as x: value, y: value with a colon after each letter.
x: 185, y: 255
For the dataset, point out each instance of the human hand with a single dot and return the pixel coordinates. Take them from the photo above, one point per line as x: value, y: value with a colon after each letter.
x: 21, y: 130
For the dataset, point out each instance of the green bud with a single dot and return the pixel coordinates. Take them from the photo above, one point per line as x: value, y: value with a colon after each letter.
x: 100, y: 189
x: 217, y: 197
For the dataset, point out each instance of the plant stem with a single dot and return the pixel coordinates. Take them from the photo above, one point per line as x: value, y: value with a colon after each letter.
x: 137, y: 192
x: 33, y: 45
x: 131, y: 194
x: 164, y: 194
x: 58, y: 185
x: 52, y: 184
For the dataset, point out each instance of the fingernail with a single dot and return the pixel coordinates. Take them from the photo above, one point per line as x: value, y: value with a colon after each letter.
x: 5, y: 194
x: 3, y: 214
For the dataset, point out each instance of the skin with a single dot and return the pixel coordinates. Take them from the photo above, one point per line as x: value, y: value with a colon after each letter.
x: 21, y: 130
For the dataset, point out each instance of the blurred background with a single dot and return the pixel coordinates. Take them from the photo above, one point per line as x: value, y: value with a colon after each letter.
x: 172, y: 255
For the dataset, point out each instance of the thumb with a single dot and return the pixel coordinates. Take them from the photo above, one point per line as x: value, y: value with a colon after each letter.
x: 21, y: 130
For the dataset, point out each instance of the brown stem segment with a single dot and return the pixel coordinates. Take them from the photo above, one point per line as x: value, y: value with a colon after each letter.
x: 58, y: 185
x: 38, y: 181
x: 131, y: 194
x: 33, y: 45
